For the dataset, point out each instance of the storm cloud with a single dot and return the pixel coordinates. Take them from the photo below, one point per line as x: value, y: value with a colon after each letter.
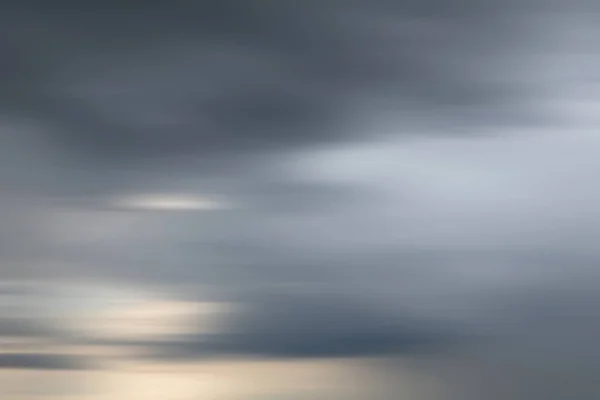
x: 366, y: 178
x: 318, y: 324
x: 41, y: 361
x: 123, y: 81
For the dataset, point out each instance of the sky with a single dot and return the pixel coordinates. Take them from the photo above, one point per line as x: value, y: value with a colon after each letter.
x: 386, y: 188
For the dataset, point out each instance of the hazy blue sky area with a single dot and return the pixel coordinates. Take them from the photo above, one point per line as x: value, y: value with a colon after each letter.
x: 260, y: 199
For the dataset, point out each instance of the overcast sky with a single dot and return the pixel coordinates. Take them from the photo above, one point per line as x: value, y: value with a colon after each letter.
x: 381, y: 162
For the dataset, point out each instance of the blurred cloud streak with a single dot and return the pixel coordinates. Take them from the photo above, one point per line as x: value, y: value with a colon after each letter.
x: 299, y: 199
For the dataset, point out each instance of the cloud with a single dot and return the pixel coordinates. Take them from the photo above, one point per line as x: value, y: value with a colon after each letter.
x: 211, y: 78
x: 24, y: 328
x: 331, y: 147
x: 312, y: 324
x: 42, y: 361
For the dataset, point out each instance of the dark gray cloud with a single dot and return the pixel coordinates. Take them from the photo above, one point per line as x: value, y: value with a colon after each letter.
x: 343, y: 241
x: 315, y: 324
x: 42, y: 361
x: 126, y: 81
x: 22, y: 328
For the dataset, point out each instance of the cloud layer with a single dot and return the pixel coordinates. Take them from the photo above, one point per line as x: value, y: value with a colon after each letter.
x: 400, y: 175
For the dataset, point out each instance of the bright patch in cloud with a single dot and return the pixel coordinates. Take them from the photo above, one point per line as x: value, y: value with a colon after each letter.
x: 171, y: 203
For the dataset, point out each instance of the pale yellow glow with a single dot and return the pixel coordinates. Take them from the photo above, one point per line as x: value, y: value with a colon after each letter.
x: 171, y: 202
x: 227, y: 379
x: 152, y: 319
